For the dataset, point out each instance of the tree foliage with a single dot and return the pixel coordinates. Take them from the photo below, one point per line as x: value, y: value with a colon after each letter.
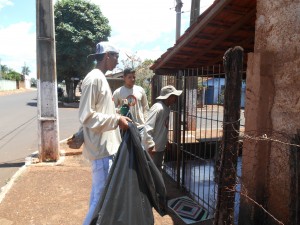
x: 144, y: 76
x: 79, y: 25
x: 9, y: 74
x: 142, y: 72
x: 25, y: 70
x: 12, y: 75
x: 4, y: 69
x: 132, y: 61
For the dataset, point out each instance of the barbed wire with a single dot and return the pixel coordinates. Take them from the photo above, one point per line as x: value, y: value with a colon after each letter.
x: 257, y: 204
x: 275, y: 137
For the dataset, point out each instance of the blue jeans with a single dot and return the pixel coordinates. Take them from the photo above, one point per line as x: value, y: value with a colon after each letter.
x: 100, y: 170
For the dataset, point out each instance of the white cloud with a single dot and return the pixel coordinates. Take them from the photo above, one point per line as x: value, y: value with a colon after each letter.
x: 136, y: 22
x: 18, y: 46
x: 150, y: 53
x: 141, y: 27
x: 4, y: 3
x: 145, y: 28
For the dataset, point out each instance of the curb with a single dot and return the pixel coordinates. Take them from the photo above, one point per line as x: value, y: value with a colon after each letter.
x: 29, y: 160
x: 5, y: 189
x: 32, y: 160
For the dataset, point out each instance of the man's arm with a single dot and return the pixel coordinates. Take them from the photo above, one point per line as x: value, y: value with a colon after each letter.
x: 97, y: 121
x: 149, y: 127
x: 145, y: 105
x: 116, y: 98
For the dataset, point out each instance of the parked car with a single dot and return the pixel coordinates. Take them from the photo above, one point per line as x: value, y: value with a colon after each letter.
x: 60, y: 92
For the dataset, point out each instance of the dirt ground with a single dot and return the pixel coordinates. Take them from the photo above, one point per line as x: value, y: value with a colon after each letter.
x: 58, y: 194
x: 48, y: 194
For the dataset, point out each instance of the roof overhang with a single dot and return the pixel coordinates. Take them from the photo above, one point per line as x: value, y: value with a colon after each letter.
x: 225, y: 24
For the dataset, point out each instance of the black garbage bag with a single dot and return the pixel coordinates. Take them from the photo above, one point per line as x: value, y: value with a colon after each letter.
x: 133, y: 187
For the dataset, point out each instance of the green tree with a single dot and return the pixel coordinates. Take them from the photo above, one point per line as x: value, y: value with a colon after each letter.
x: 12, y: 75
x: 142, y: 72
x: 25, y: 70
x: 79, y: 25
x: 131, y: 61
x: 4, y: 69
x: 144, y: 76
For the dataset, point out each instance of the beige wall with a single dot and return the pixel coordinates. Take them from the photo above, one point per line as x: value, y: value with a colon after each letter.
x: 115, y: 83
x: 272, y: 106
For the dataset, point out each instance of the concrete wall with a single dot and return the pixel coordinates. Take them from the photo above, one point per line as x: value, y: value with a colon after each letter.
x: 272, y: 107
x: 115, y: 83
x: 7, y: 85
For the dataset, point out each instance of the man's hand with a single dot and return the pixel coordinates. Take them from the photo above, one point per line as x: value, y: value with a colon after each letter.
x: 151, y: 151
x: 76, y: 140
x: 123, y: 122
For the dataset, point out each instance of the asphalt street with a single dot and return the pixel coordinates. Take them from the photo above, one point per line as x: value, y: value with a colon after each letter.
x: 19, y: 130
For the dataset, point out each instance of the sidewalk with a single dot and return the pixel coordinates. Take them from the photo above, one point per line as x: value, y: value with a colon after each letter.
x: 16, y: 91
x: 57, y: 194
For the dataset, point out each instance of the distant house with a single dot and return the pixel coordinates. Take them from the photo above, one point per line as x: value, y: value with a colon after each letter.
x: 115, y: 80
x: 115, y: 75
x: 214, y: 91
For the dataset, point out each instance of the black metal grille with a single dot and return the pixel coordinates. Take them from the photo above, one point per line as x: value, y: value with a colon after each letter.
x: 195, y: 130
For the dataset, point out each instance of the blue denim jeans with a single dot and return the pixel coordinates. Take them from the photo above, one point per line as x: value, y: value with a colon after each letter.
x: 100, y: 170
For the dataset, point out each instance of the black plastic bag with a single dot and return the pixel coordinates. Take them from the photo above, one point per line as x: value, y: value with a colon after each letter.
x: 133, y: 187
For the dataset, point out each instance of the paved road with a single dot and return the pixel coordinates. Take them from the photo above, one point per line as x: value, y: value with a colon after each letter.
x: 18, y: 130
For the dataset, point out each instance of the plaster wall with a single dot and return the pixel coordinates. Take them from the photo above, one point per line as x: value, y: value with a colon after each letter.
x: 272, y: 105
x: 278, y: 32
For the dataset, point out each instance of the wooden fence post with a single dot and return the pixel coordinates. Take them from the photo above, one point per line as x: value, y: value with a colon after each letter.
x: 233, y: 66
x: 295, y: 180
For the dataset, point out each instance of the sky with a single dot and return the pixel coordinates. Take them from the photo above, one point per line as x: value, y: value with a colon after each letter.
x: 139, y: 27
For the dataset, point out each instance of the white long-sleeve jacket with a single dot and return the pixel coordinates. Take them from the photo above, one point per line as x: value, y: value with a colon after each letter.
x: 156, y: 128
x: 98, y: 117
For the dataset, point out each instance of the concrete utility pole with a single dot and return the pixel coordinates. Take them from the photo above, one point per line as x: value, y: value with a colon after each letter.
x: 192, y: 82
x: 195, y: 11
x: 178, y: 17
x: 47, y: 86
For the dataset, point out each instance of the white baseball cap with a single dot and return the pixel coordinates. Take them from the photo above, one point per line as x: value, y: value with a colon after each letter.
x: 105, y: 46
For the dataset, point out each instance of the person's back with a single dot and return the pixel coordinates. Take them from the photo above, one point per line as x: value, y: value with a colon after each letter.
x: 157, y: 126
x: 155, y: 132
x: 136, y: 98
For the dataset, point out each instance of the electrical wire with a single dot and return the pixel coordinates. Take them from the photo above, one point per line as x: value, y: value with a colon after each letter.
x: 28, y: 121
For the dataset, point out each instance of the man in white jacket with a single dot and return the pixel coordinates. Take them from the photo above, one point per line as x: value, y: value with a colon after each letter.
x: 135, y: 96
x: 99, y: 120
x: 155, y: 134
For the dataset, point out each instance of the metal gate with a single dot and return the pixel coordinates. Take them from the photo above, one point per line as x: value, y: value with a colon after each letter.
x: 195, y: 132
